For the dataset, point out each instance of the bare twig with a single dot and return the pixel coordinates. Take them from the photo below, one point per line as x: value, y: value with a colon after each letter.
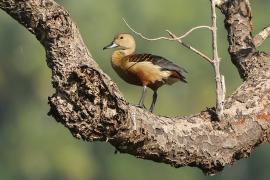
x: 261, y: 36
x: 220, y: 80
x: 162, y: 37
x: 144, y: 37
x: 173, y: 38
x: 214, y: 31
x: 191, y: 30
x: 189, y: 47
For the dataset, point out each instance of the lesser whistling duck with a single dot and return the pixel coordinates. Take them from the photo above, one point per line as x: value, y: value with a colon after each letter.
x: 145, y: 70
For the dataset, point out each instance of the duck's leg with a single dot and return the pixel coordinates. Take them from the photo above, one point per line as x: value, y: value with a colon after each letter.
x: 141, y: 103
x: 153, y: 101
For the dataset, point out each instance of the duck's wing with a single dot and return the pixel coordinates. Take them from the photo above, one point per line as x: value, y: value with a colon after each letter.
x: 164, y: 64
x: 136, y: 58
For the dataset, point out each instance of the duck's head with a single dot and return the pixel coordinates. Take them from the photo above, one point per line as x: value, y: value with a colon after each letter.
x: 122, y: 41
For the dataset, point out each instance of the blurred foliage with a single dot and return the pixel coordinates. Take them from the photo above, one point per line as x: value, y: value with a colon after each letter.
x: 34, y: 146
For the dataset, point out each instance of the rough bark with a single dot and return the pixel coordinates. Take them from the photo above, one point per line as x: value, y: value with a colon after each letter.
x: 238, y: 24
x: 261, y: 36
x: 90, y: 105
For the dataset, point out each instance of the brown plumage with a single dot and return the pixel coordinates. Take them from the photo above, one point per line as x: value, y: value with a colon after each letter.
x: 145, y: 70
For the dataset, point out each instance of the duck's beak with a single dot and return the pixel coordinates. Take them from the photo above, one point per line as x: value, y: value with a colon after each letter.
x: 110, y: 46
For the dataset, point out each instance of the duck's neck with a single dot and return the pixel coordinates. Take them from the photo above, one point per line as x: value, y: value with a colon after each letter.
x: 118, y: 55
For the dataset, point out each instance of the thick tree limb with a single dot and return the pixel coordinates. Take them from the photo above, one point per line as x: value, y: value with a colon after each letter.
x: 90, y: 105
x: 238, y: 24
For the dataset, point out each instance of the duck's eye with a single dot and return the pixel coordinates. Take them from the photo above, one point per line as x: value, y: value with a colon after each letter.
x: 121, y: 37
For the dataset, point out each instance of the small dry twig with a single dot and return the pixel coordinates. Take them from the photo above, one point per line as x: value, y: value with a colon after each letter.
x: 192, y: 29
x: 174, y: 38
x: 220, y: 80
x: 144, y: 37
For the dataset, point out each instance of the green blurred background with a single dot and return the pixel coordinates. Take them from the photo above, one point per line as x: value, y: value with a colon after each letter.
x: 34, y: 146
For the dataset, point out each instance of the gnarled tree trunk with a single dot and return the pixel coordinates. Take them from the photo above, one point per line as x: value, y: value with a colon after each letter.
x: 90, y: 105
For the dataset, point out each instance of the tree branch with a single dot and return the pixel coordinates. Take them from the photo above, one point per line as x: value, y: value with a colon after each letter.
x: 90, y: 105
x: 174, y: 38
x: 192, y: 29
x: 239, y: 27
x: 220, y: 80
x: 144, y: 37
x: 261, y: 36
